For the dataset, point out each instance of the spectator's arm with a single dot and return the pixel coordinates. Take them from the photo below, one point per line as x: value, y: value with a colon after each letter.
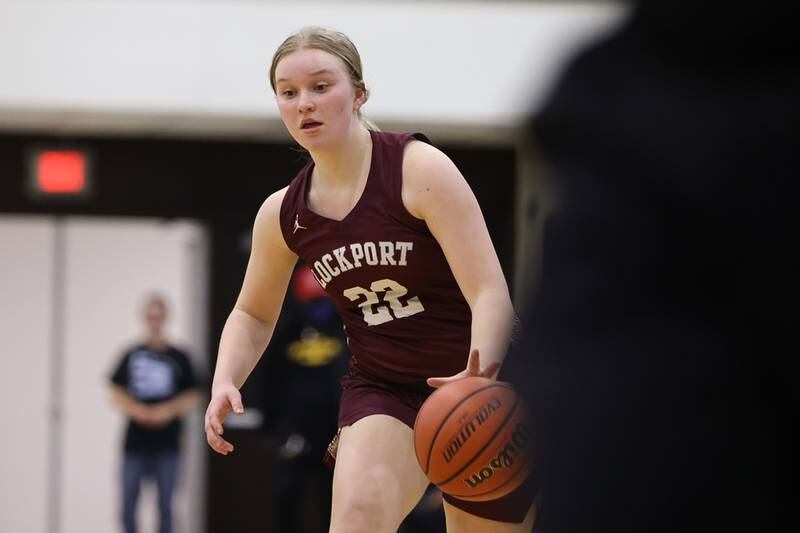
x: 126, y: 403
x: 179, y: 405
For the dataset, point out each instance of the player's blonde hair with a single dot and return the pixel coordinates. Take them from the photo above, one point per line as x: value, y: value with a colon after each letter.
x: 335, y: 43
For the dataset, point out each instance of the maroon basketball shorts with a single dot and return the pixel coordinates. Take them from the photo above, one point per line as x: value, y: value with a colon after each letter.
x: 363, y: 396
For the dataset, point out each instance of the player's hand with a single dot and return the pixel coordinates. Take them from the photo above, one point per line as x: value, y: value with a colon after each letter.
x: 473, y: 369
x: 223, y: 400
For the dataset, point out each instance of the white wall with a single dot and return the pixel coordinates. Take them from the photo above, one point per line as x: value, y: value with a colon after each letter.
x: 180, y: 67
x: 26, y: 290
x: 108, y: 265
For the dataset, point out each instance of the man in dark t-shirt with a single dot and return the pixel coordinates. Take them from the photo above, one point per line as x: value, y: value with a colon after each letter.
x: 153, y: 385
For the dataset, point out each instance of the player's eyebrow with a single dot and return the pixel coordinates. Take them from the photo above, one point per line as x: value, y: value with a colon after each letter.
x: 315, y: 73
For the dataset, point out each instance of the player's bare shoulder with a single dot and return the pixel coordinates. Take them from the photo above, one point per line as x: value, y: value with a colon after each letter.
x: 274, y: 200
x: 429, y: 175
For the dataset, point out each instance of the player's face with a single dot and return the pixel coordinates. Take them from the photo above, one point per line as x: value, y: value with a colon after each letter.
x: 316, y: 98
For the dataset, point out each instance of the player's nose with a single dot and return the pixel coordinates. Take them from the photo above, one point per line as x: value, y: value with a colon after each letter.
x: 305, y: 102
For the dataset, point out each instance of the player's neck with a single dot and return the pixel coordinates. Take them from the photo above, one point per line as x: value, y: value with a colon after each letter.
x: 347, y: 164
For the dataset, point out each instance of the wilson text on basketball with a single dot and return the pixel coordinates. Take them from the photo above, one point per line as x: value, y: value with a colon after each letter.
x: 505, y: 459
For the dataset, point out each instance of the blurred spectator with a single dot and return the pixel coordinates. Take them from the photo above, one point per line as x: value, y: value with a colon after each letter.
x: 652, y: 340
x: 153, y: 385
x: 305, y: 361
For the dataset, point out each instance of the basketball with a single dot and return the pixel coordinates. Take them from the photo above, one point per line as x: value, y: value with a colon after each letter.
x: 472, y: 439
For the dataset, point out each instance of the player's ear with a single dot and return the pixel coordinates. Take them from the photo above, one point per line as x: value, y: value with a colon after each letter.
x: 361, y: 95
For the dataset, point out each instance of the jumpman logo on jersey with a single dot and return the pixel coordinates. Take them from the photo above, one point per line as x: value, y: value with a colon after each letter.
x: 297, y: 225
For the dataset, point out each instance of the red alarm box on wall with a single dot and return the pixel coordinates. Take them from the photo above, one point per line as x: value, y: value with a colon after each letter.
x: 59, y: 173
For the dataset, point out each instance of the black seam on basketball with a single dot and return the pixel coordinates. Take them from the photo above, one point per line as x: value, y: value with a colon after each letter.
x: 444, y: 420
x: 500, y: 486
x: 494, y: 436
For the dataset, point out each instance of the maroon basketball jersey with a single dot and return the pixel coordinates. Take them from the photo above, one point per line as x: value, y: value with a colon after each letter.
x: 404, y: 315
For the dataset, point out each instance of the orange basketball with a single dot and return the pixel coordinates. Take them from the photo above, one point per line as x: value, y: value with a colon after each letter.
x: 472, y: 439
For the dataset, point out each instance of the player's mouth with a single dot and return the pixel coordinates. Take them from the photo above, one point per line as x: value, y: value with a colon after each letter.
x: 310, y: 124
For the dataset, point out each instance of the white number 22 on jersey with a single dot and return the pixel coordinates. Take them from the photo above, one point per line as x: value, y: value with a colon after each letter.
x: 375, y: 314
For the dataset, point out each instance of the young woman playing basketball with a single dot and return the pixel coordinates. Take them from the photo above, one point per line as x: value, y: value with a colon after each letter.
x: 395, y: 236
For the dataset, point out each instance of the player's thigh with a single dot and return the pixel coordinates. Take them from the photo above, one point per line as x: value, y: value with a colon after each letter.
x: 460, y: 521
x: 375, y: 459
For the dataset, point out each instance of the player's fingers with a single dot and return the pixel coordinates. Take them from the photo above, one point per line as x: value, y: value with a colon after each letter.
x: 221, y: 446
x: 214, y: 422
x: 224, y: 446
x: 213, y: 438
x: 235, y: 399
x: 490, y: 370
x: 474, y: 363
x: 217, y: 443
x: 438, y: 382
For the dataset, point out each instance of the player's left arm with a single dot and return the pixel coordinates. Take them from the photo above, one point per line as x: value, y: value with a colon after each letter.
x: 435, y: 191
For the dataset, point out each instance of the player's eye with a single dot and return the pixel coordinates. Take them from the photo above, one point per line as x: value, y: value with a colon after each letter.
x: 320, y: 87
x: 287, y: 93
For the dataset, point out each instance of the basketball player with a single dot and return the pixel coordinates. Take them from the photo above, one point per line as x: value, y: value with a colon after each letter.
x: 394, y: 234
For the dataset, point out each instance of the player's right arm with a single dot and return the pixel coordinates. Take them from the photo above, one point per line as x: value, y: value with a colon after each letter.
x: 250, y: 325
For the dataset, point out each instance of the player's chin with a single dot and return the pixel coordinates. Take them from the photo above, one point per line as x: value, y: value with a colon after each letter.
x: 303, y: 141
x: 325, y: 137
x: 313, y: 142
